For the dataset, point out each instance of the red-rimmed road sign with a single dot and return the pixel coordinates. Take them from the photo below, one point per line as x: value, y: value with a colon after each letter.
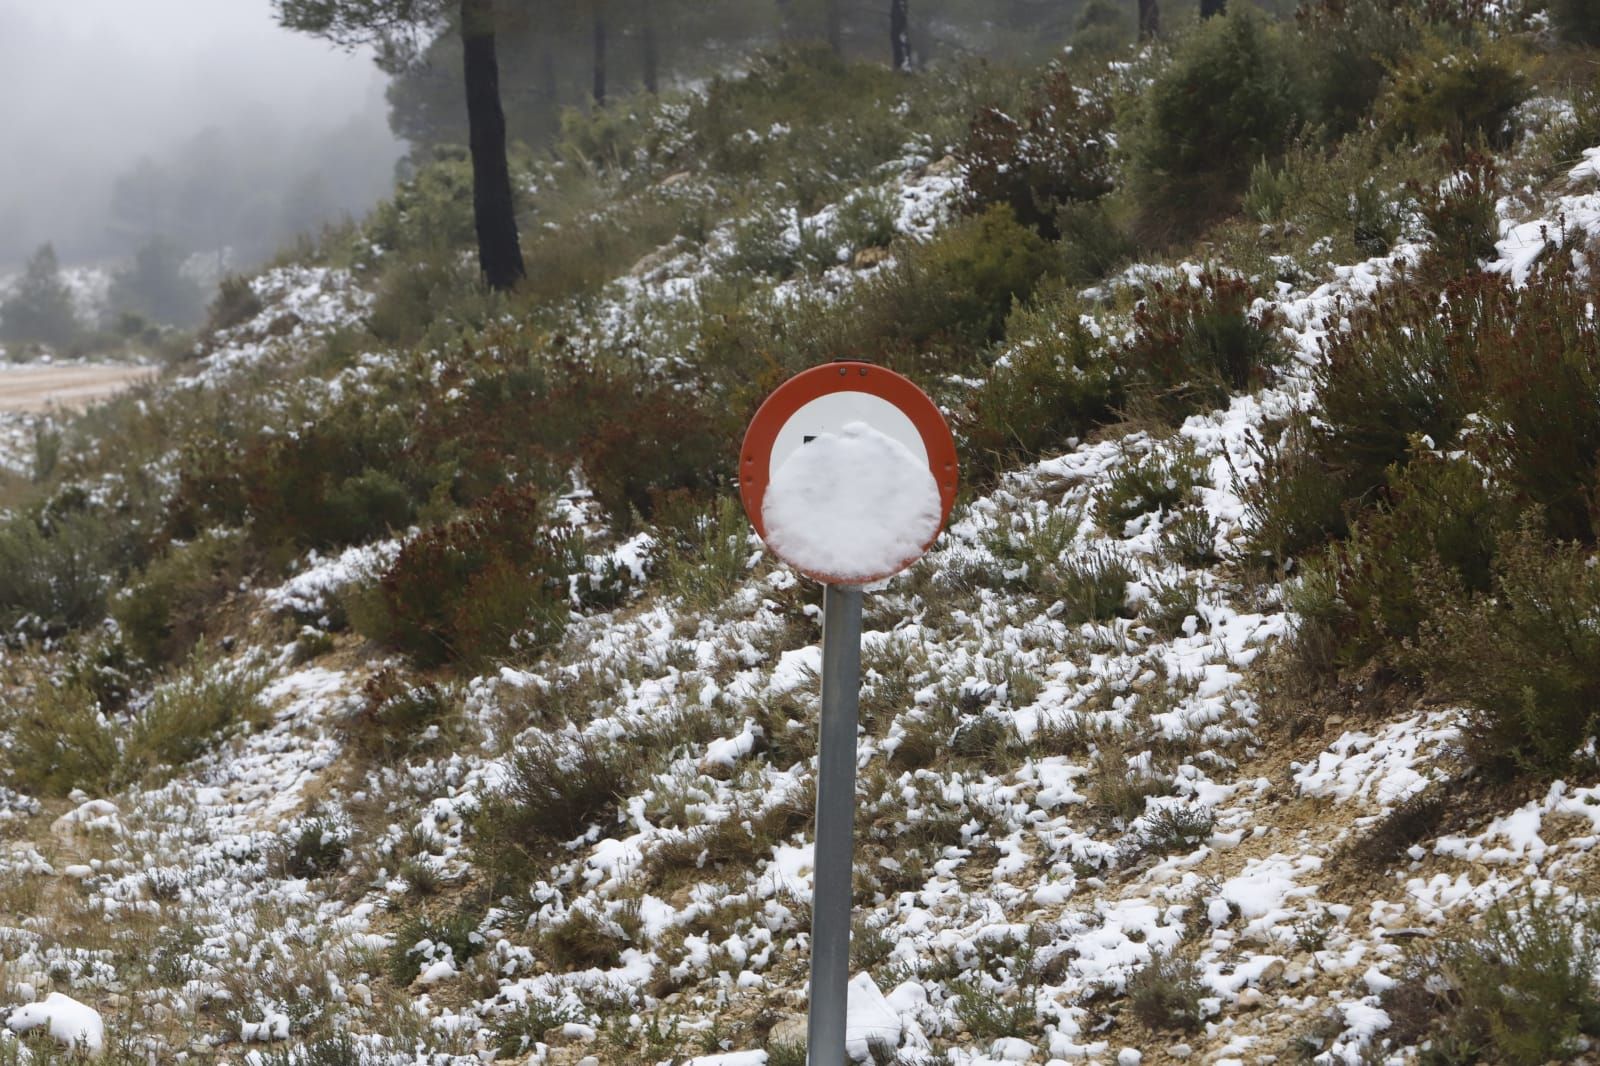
x: 860, y: 404
x: 826, y: 399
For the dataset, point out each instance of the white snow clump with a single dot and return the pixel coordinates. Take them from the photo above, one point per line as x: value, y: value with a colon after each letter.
x: 853, y: 506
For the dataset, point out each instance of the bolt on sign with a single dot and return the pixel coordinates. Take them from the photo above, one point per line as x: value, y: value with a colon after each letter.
x: 848, y: 473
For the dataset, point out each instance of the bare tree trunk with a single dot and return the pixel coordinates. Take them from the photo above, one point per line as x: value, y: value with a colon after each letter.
x: 834, y: 26
x: 1209, y: 8
x: 1149, y: 19
x: 494, y: 210
x: 900, y: 33
x: 650, y: 45
x: 599, y: 53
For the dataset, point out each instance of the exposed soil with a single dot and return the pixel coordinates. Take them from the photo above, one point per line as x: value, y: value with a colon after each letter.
x: 27, y: 389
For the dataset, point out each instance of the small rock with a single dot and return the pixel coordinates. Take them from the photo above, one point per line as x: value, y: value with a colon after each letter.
x: 1129, y: 1057
x: 284, y: 324
x: 790, y: 1030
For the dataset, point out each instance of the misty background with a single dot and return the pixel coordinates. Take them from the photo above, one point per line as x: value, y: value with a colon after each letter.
x: 199, y: 123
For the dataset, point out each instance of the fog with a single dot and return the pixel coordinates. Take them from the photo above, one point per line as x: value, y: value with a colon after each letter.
x: 198, y: 121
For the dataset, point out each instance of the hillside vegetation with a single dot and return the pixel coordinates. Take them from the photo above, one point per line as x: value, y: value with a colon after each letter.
x: 398, y: 680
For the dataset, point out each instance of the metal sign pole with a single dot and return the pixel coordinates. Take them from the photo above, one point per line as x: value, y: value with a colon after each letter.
x: 834, y: 857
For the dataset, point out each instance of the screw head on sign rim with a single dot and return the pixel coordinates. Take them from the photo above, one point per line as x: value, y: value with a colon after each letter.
x: 756, y: 452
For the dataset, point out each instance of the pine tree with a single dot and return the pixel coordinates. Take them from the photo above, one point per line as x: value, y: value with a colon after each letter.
x: 39, y: 309
x: 394, y: 28
x: 155, y: 287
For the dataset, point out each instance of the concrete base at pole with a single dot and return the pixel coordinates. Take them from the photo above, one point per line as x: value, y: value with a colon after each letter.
x: 836, y: 810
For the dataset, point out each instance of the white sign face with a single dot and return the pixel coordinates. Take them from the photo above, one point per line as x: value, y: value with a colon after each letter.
x: 831, y: 413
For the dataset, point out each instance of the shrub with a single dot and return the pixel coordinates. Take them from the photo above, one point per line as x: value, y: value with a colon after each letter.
x: 1463, y: 221
x: 423, y: 939
x: 1395, y: 376
x: 1521, y: 986
x: 315, y: 848
x: 658, y: 440
x: 1463, y: 95
x: 708, y: 559
x: 1049, y: 387
x: 62, y: 741
x: 558, y: 786
x: 164, y: 609
x: 869, y: 219
x: 1166, y: 993
x: 1177, y: 829
x: 1196, y: 342
x: 1525, y: 659
x: 235, y: 304
x: 1347, y: 48
x: 1156, y: 482
x: 1439, y: 523
x: 940, y: 300
x: 463, y: 590
x: 396, y: 719
x: 430, y: 210
x: 57, y: 565
x: 186, y: 714
x: 1094, y: 587
x: 517, y: 1033
x: 1102, y: 29
x: 1577, y: 21
x: 1409, y: 822
x: 1229, y: 96
x: 1057, y: 153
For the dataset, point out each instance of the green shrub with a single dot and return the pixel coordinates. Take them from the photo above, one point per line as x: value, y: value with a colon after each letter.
x: 1057, y: 153
x: 1577, y: 21
x: 62, y: 741
x: 165, y: 608
x: 1521, y: 986
x: 1524, y: 657
x: 1196, y: 342
x: 1230, y: 95
x: 1052, y: 385
x: 1166, y: 993
x: 558, y: 787
x: 1439, y: 522
x: 1402, y: 372
x: 315, y: 848
x: 517, y: 1033
x: 423, y: 939
x: 431, y: 210
x: 1158, y: 481
x: 58, y: 562
x: 1094, y: 587
x: 235, y: 304
x: 761, y: 244
x: 397, y: 719
x: 186, y: 714
x: 1463, y: 221
x: 940, y: 300
x: 867, y: 220
x: 708, y: 558
x: 1096, y: 238
x: 463, y: 590
x: 1103, y: 29
x: 1463, y: 95
x: 1177, y: 829
x: 1347, y: 48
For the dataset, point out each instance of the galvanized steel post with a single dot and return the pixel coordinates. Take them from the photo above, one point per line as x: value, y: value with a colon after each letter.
x: 834, y: 856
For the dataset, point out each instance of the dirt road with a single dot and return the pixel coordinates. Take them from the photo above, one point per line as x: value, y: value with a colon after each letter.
x: 35, y: 388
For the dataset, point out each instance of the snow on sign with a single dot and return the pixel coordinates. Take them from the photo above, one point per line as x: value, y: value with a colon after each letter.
x: 848, y: 472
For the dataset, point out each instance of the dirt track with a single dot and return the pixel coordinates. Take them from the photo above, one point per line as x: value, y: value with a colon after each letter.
x: 36, y: 388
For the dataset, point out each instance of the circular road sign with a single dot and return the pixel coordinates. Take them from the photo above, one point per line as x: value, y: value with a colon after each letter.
x: 849, y: 398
